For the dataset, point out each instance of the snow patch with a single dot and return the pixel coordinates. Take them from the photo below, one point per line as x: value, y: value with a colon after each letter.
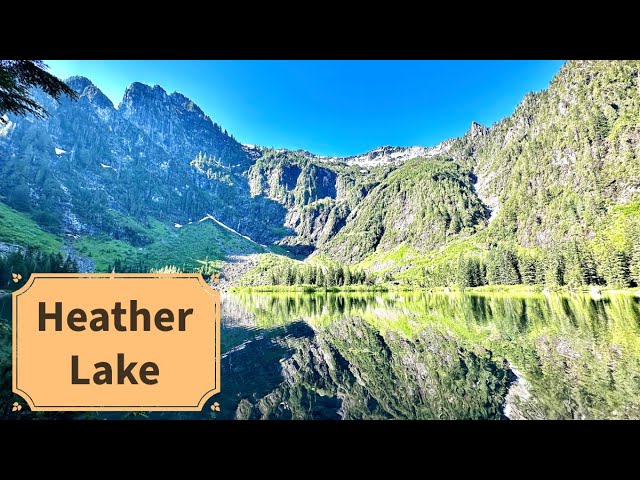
x: 211, y: 217
x: 6, y: 126
x: 104, y: 165
x: 387, y: 155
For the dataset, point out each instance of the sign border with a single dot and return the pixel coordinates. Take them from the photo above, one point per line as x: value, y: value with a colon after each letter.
x: 117, y: 408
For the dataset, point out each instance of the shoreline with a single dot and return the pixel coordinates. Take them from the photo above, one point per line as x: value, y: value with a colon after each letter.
x: 486, y: 289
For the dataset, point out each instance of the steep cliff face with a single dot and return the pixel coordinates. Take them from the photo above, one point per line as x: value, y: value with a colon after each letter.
x: 318, y: 195
x: 565, y: 156
x: 179, y: 126
x: 92, y: 169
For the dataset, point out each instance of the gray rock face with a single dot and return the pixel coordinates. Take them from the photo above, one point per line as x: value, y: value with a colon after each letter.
x: 90, y: 166
x: 179, y: 125
x: 477, y: 130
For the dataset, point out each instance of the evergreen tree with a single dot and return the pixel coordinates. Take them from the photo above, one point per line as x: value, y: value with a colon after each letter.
x: 28, y: 262
x: 464, y: 272
x: 18, y: 77
x: 528, y: 269
x: 5, y: 274
x: 635, y: 262
x: 340, y: 276
x: 553, y: 263
x: 575, y: 273
x: 502, y: 267
x: 347, y: 276
x: 615, y: 269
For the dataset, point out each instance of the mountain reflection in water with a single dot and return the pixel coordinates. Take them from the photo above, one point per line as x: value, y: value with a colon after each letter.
x: 429, y: 356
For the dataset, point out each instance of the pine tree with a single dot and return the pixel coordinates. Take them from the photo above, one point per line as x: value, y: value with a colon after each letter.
x: 510, y: 266
x: 493, y: 269
x: 464, y: 274
x: 590, y: 267
x: 347, y: 276
x: 528, y: 269
x: 635, y: 262
x: 477, y: 273
x: 615, y: 269
x: 17, y: 79
x: 553, y: 269
x: 502, y: 267
x: 5, y: 275
x: 574, y: 271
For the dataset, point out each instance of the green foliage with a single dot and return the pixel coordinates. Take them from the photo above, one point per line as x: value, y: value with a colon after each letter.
x: 199, y: 247
x: 18, y: 229
x: 470, y: 272
x: 635, y: 262
x: 502, y: 266
x: 614, y: 266
x: 17, y: 77
x: 424, y: 202
x: 31, y: 261
x: 103, y: 251
x: 274, y: 270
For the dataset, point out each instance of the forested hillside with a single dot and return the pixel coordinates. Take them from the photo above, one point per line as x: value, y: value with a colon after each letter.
x: 549, y: 195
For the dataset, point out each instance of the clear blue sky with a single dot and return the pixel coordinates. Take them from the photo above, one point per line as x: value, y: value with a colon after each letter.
x: 333, y: 107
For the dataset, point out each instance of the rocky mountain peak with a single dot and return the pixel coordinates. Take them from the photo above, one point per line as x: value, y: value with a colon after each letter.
x: 92, y: 94
x: 78, y: 83
x: 95, y: 96
x: 477, y: 130
x: 186, y: 103
x: 177, y: 124
x: 139, y: 95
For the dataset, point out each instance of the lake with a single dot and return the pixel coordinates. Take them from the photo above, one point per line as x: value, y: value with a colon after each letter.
x: 430, y: 356
x: 425, y: 356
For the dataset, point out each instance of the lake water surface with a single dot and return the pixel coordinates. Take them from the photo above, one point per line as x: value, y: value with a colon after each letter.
x: 430, y: 356
x: 424, y: 356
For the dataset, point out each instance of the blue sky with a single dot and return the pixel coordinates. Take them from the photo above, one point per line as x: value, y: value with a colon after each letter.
x: 333, y: 107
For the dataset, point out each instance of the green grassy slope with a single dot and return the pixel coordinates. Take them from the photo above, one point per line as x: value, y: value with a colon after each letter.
x: 188, y: 248
x: 18, y: 229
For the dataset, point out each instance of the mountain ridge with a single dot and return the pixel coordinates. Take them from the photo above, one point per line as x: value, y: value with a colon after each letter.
x: 545, y: 176
x: 375, y: 157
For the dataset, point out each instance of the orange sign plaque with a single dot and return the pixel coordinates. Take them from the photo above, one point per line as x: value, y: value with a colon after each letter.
x: 123, y: 342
